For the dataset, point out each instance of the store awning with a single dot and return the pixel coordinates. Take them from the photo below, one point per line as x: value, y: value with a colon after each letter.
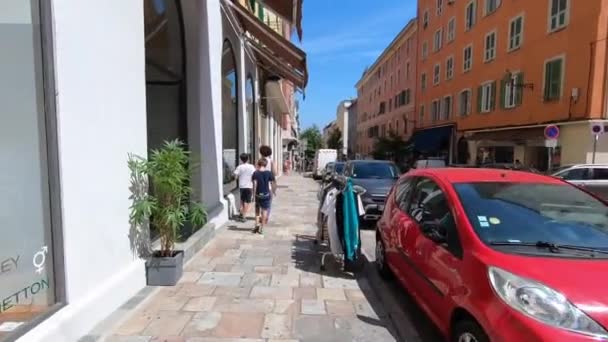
x: 290, y: 10
x: 433, y: 139
x: 514, y: 135
x: 273, y: 52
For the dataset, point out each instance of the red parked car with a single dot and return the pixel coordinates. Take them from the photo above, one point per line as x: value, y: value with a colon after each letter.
x: 498, y: 255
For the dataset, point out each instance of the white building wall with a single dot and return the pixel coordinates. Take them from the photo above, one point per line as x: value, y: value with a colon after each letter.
x: 101, y: 114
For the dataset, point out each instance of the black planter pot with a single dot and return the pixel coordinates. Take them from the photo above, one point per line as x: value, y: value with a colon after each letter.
x: 164, y: 271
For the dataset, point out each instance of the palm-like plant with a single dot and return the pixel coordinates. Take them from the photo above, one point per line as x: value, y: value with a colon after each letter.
x: 168, y: 206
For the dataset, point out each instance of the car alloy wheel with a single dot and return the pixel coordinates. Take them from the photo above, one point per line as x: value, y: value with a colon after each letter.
x: 467, y: 337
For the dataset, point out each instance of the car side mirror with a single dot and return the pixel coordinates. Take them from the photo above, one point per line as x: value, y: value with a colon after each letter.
x: 434, y: 232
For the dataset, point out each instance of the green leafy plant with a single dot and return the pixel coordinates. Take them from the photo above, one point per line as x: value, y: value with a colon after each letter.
x: 167, y: 206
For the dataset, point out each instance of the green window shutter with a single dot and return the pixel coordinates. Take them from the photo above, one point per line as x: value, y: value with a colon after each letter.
x: 493, y: 96
x: 519, y: 91
x: 557, y: 79
x: 261, y: 12
x: 503, y: 90
x: 252, y: 4
x: 479, y: 93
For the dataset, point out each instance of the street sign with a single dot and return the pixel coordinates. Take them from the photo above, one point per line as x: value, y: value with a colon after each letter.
x: 551, y: 143
x: 551, y: 132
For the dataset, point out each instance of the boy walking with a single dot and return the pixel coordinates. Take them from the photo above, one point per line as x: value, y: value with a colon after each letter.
x: 264, y: 188
x: 244, y: 172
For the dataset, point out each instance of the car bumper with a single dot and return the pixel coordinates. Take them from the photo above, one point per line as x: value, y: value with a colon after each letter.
x: 514, y: 326
x: 373, y: 211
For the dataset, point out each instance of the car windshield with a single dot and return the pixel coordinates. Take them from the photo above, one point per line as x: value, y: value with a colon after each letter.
x: 533, y: 212
x: 340, y: 168
x: 375, y: 170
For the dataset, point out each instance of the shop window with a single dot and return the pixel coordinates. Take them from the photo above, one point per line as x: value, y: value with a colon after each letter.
x: 30, y: 285
x: 230, y: 129
x: 251, y: 117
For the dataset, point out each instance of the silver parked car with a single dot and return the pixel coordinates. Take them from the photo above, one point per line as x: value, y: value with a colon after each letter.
x: 593, y: 177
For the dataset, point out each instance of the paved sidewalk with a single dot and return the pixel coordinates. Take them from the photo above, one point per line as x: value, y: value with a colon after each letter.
x: 245, y: 287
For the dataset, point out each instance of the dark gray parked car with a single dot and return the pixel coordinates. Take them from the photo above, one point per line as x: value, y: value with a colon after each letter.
x: 593, y: 177
x: 377, y: 178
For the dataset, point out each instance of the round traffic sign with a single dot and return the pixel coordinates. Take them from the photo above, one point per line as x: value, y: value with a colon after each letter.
x: 551, y: 132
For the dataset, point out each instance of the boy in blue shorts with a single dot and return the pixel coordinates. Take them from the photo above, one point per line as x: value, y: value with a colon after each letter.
x: 264, y: 188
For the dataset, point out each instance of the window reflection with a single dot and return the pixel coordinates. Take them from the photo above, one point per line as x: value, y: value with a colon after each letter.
x: 230, y: 140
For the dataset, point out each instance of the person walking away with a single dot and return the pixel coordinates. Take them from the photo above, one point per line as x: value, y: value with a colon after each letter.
x: 244, y: 173
x: 264, y: 188
x: 266, y: 153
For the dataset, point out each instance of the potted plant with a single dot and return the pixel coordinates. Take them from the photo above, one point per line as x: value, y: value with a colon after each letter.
x: 165, y: 205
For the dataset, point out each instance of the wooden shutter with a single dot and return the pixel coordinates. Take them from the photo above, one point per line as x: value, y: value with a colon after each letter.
x: 493, y: 96
x: 503, y: 92
x: 479, y: 93
x: 519, y: 91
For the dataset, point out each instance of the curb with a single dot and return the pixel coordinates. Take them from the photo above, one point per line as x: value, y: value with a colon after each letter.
x: 402, y: 325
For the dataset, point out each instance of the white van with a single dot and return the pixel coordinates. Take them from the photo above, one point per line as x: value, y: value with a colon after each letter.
x: 322, y: 157
x: 429, y: 163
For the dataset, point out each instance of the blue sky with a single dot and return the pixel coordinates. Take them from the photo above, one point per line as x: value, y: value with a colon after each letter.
x: 341, y: 38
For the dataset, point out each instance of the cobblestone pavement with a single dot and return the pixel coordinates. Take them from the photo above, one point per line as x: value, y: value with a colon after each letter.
x: 245, y: 287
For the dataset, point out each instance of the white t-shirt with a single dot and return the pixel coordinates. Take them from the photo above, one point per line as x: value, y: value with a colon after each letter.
x: 245, y: 173
x: 329, y: 209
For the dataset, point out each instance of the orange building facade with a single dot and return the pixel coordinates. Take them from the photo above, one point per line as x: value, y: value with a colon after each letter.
x: 493, y: 74
x: 386, y: 93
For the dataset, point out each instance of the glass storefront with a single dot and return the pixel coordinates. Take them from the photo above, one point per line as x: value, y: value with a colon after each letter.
x: 27, y: 274
x: 230, y: 122
x: 250, y: 100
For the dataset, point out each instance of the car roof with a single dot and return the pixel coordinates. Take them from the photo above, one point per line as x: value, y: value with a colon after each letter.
x: 467, y: 175
x: 371, y: 161
x: 583, y: 165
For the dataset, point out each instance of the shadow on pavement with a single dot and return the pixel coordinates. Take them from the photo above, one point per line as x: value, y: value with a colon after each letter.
x: 307, y: 256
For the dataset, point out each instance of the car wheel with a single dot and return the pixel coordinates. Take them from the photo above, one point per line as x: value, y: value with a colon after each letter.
x: 381, y: 263
x: 469, y: 331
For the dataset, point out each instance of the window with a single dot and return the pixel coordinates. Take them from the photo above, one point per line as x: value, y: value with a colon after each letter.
x: 30, y: 284
x: 402, y: 193
x: 467, y: 58
x: 230, y: 145
x: 553, y: 79
x: 490, y: 47
x: 438, y: 40
x: 512, y: 92
x: 436, y: 74
x: 492, y: 6
x: 449, y: 68
x: 407, y: 71
x: 435, y: 110
x: 421, y: 116
x: 558, y: 14
x: 428, y: 203
x: 423, y: 81
x: 600, y: 173
x: 470, y: 14
x: 425, y: 19
x: 516, y: 33
x: 447, y: 107
x: 407, y: 97
x: 439, y: 7
x: 486, y: 96
x: 465, y: 102
x: 451, y: 29
x: 390, y: 105
x: 425, y: 49
x: 382, y: 108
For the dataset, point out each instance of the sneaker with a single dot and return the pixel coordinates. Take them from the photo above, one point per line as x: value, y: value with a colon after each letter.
x: 257, y: 229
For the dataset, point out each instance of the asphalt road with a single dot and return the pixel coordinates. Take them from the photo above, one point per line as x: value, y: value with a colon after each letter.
x: 424, y: 329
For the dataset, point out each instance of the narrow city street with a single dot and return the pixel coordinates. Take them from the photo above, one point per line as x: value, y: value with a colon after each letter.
x: 245, y: 287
